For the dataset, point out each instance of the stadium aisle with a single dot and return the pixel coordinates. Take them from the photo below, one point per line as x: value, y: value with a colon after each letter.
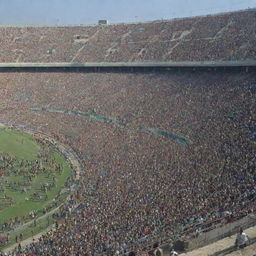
x: 248, y: 251
x: 224, y: 244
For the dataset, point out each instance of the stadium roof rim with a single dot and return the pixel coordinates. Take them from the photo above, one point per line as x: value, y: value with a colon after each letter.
x: 249, y: 9
x: 170, y: 64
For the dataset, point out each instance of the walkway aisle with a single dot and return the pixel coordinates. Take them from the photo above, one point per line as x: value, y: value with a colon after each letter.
x: 224, y: 244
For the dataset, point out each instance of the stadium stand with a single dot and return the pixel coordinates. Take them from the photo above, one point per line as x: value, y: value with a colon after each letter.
x: 228, y: 36
x: 139, y: 186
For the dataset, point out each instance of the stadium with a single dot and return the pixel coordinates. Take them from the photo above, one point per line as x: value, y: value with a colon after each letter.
x: 149, y: 130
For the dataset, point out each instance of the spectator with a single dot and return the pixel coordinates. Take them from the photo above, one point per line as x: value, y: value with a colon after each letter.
x: 158, y: 251
x: 173, y: 253
x: 242, y: 239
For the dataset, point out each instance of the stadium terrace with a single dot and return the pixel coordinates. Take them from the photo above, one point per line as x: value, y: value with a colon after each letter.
x: 164, y: 156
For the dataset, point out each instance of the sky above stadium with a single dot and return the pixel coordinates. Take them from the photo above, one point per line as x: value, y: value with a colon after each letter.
x: 76, y: 12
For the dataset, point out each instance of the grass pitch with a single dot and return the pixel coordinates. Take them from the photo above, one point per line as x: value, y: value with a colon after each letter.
x: 32, y: 174
x: 17, y: 144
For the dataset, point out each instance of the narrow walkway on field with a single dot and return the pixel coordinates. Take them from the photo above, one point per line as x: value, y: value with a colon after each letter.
x: 26, y: 241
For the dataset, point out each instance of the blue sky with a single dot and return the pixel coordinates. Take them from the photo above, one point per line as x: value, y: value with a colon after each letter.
x: 76, y: 12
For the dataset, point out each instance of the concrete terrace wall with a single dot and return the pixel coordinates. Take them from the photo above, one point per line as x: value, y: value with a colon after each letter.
x: 216, y: 234
x: 222, y: 232
x: 135, y: 64
x: 128, y: 66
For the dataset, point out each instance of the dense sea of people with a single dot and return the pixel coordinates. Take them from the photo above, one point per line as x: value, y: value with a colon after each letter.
x: 139, y: 188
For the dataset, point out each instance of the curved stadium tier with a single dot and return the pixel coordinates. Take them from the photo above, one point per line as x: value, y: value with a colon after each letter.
x: 222, y: 37
x: 160, y: 151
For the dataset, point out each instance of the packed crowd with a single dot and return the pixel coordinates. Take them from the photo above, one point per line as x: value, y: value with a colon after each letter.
x: 191, y: 39
x: 138, y: 188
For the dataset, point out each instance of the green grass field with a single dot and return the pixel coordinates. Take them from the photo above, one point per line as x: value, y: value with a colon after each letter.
x: 17, y: 144
x: 26, y: 167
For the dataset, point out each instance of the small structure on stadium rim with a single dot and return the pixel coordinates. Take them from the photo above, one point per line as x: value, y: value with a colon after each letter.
x: 103, y: 22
